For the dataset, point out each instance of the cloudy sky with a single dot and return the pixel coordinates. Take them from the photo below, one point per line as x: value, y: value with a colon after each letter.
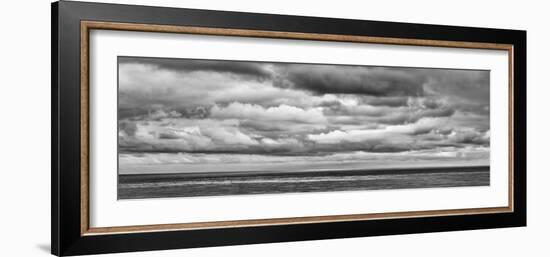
x: 185, y: 111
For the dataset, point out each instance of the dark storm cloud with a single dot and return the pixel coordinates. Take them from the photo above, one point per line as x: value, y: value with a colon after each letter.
x: 126, y: 113
x: 251, y: 69
x: 339, y: 79
x: 395, y: 101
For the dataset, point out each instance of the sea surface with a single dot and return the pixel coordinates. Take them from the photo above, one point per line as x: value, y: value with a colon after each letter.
x: 140, y: 186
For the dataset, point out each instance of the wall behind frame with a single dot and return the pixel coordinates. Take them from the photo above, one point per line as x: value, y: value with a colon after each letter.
x: 25, y: 129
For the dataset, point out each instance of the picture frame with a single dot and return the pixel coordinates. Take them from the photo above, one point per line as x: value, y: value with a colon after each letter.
x: 72, y: 130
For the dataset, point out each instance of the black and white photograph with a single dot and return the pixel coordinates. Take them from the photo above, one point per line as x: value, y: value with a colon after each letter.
x: 197, y: 127
x: 295, y: 128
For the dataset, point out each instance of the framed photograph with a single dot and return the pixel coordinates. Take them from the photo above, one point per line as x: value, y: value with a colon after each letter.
x: 178, y: 128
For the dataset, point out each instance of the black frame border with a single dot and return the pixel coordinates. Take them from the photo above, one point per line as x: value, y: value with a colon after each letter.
x: 66, y: 235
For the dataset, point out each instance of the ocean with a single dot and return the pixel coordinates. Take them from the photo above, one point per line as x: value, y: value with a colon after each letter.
x: 141, y: 186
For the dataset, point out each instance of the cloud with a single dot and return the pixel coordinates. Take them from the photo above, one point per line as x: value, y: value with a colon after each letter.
x: 242, y: 68
x: 263, y: 126
x: 247, y: 111
x: 127, y: 128
x: 230, y: 136
x: 390, y: 101
x: 280, y: 109
x: 466, y: 85
x: 470, y: 120
x: 338, y: 108
x: 192, y: 135
x: 161, y: 114
x: 408, y: 117
x: 339, y: 79
x: 393, y: 132
x: 470, y: 136
x: 356, y: 112
x: 142, y: 87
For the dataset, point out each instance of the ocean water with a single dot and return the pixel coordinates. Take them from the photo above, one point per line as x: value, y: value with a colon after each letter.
x: 140, y: 186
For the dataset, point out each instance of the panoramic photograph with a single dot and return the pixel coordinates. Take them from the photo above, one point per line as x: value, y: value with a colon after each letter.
x: 197, y: 127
